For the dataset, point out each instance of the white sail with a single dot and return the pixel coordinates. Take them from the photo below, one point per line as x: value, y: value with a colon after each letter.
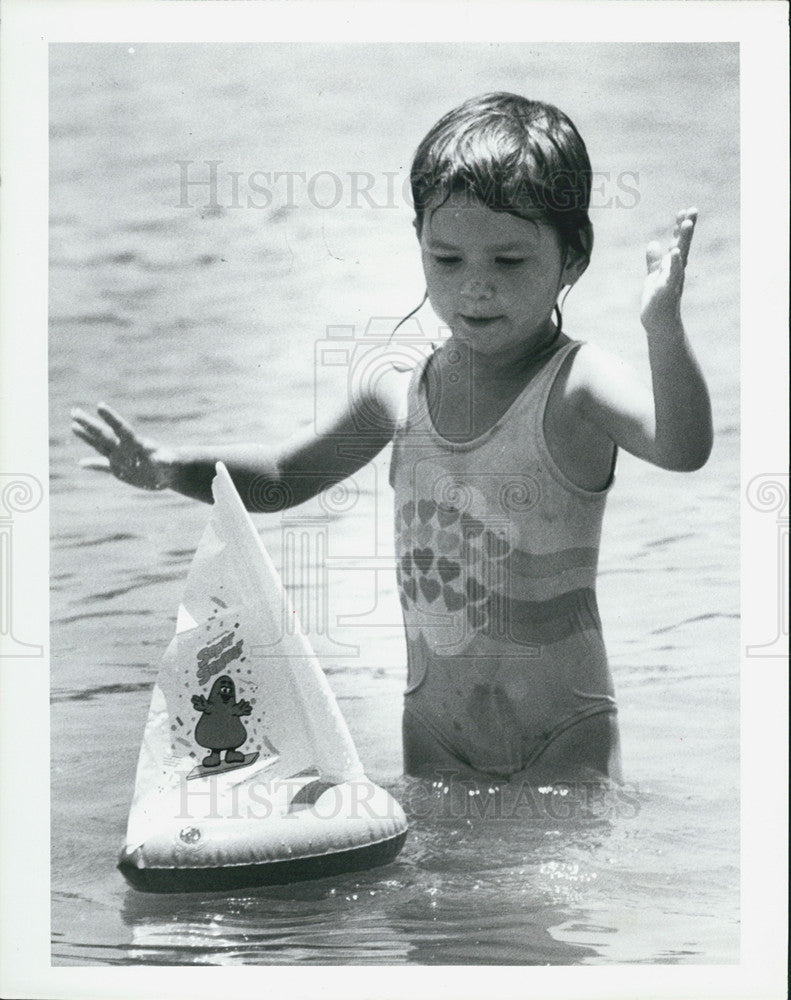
x: 279, y: 718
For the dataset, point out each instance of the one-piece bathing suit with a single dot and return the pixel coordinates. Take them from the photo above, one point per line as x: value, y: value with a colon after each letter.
x: 497, y: 553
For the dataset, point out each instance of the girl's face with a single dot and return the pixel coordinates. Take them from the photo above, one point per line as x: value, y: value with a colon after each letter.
x: 492, y: 277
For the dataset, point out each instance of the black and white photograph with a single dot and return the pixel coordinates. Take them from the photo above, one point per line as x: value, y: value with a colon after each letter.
x: 392, y: 469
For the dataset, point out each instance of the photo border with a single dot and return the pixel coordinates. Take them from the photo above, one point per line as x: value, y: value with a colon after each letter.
x: 760, y: 28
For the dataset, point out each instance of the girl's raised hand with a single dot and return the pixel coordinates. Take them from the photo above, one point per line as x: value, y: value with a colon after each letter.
x: 664, y: 283
x: 130, y: 458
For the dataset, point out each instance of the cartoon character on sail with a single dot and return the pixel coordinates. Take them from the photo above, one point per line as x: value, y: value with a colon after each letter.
x: 220, y: 727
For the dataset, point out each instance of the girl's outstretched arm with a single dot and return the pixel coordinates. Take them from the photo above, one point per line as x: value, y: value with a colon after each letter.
x: 669, y: 425
x: 268, y: 479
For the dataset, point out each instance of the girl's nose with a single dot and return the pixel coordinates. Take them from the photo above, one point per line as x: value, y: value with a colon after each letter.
x: 477, y: 290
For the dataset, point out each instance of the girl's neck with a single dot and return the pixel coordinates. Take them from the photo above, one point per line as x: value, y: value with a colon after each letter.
x: 471, y: 392
x: 513, y: 366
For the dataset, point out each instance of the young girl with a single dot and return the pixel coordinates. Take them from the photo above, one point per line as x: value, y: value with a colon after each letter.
x: 505, y: 442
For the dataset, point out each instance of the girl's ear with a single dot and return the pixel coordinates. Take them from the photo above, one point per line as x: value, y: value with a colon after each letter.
x: 417, y: 223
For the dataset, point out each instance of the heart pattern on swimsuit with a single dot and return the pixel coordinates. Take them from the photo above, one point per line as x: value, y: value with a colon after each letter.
x: 446, y: 557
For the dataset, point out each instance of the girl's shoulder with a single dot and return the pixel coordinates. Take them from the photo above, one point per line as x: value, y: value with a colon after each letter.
x: 589, y: 369
x: 581, y: 451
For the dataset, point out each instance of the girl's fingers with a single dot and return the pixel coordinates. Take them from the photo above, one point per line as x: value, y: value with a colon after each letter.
x: 117, y: 422
x: 683, y: 230
x: 123, y: 454
x: 685, y: 238
x: 93, y: 432
x: 91, y: 424
x: 653, y: 256
x: 93, y: 438
x: 86, y: 437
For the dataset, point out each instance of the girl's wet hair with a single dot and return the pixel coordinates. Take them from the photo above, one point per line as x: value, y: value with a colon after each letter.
x: 512, y: 155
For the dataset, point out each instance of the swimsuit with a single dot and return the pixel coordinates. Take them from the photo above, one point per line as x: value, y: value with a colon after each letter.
x: 497, y: 553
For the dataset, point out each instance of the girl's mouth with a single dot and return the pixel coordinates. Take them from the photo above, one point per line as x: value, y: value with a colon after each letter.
x: 480, y: 321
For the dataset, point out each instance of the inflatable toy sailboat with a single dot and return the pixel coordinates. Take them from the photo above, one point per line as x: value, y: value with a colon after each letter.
x: 247, y: 772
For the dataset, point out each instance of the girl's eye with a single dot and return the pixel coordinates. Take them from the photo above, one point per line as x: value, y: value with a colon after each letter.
x: 446, y: 260
x: 510, y: 261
